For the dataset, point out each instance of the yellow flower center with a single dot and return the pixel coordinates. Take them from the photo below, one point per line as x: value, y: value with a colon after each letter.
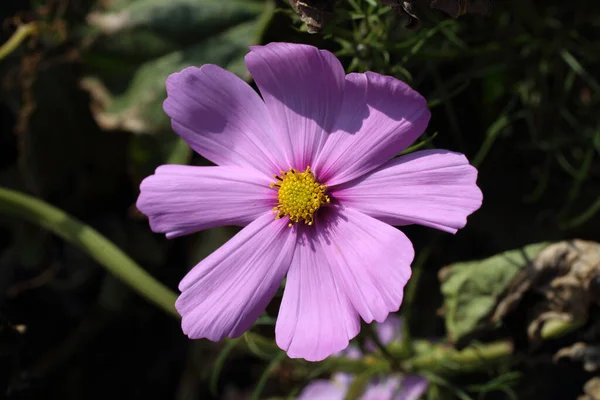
x: 300, y: 195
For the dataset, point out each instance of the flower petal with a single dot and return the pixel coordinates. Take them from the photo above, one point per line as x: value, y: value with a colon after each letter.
x: 179, y: 199
x: 435, y: 188
x: 382, y: 389
x: 316, y: 318
x: 372, y: 262
x: 390, y: 329
x: 412, y: 387
x: 302, y: 87
x: 387, y: 332
x: 226, y: 292
x: 323, y: 390
x: 222, y: 118
x: 346, y: 263
x: 380, y: 116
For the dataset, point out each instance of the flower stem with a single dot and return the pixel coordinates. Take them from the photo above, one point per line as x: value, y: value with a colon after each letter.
x: 434, y: 357
x: 428, y: 356
x: 555, y: 328
x: 15, y: 40
x: 90, y: 241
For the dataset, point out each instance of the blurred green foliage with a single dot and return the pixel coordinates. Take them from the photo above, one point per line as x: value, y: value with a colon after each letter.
x: 142, y: 42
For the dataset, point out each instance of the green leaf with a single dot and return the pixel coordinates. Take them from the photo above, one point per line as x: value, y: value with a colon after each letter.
x: 137, y: 44
x: 151, y: 28
x: 440, y: 381
x: 470, y: 289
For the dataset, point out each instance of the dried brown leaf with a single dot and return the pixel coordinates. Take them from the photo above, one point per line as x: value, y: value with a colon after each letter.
x: 587, y: 354
x: 565, y: 277
x: 591, y: 389
x: 314, y: 13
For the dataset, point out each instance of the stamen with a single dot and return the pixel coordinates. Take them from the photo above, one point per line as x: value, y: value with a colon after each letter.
x: 300, y: 195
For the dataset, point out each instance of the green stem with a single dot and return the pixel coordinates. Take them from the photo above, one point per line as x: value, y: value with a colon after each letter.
x: 90, y: 241
x: 584, y: 216
x: 450, y: 360
x: 17, y: 38
x: 441, y: 358
x: 372, y: 334
x: 410, y: 292
x: 273, y: 365
x: 554, y: 329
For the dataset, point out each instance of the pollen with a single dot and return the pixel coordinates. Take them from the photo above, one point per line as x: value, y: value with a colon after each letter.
x: 300, y: 195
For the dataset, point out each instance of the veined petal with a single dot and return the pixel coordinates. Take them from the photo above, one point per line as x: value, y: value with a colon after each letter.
x: 316, y: 318
x: 222, y: 118
x: 225, y: 293
x: 302, y: 87
x: 180, y: 199
x: 347, y: 264
x: 321, y: 389
x: 435, y: 188
x: 380, y: 117
x: 372, y: 261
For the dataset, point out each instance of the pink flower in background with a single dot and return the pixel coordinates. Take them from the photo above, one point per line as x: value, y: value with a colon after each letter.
x: 308, y: 171
x: 391, y: 387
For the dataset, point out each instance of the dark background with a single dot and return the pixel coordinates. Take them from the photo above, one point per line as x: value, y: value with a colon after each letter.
x: 517, y: 92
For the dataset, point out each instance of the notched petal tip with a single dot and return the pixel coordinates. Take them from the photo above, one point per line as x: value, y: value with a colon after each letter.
x: 317, y: 354
x: 280, y: 47
x: 179, y: 78
x: 190, y: 326
x: 190, y: 72
x: 395, y: 84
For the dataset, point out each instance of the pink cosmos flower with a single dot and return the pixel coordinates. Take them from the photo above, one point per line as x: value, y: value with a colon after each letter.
x: 308, y: 170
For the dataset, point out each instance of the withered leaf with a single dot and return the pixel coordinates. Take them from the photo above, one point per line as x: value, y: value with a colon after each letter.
x: 587, y: 354
x: 564, y: 278
x: 406, y: 8
x: 591, y: 390
x: 471, y: 289
x: 454, y: 8
x: 317, y: 13
x: 314, y: 13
